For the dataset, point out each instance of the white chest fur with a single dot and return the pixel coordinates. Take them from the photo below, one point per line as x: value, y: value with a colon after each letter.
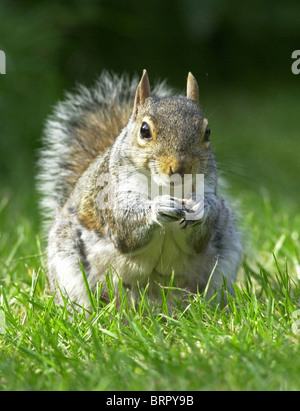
x: 166, y: 253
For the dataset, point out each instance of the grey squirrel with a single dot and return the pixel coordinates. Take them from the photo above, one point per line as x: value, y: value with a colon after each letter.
x: 99, y: 145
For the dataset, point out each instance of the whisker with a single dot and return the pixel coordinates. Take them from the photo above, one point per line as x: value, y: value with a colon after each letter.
x: 229, y: 142
x: 229, y: 166
x: 239, y: 175
x: 208, y: 116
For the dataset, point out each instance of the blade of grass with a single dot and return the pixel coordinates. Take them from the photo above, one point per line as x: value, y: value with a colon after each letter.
x: 90, y: 296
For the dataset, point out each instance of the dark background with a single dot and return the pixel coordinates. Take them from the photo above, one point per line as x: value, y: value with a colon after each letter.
x: 240, y: 52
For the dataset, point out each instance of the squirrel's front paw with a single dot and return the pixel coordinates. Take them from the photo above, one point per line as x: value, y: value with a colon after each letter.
x: 168, y: 209
x: 194, y: 212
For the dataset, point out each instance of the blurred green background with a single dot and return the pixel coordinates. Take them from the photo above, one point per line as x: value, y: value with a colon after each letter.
x: 240, y: 52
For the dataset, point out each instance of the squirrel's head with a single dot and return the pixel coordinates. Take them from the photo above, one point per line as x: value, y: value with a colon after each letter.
x: 169, y: 135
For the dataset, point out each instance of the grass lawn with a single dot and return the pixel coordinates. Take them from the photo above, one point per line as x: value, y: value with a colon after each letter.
x: 253, y: 344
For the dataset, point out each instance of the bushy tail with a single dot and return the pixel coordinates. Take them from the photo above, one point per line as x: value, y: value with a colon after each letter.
x: 80, y: 128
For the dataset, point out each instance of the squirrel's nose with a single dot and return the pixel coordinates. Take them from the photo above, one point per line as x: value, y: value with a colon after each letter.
x: 180, y: 168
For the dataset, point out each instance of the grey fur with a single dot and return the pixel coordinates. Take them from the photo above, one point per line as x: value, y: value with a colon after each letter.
x: 55, y: 157
x: 152, y: 239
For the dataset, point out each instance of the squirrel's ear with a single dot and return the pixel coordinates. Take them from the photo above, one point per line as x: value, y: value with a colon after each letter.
x: 192, y: 89
x: 142, y: 92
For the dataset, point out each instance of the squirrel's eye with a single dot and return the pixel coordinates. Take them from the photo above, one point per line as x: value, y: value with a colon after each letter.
x: 207, y: 134
x: 145, y: 132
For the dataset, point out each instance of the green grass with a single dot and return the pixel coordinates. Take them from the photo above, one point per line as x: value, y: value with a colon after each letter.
x: 250, y: 345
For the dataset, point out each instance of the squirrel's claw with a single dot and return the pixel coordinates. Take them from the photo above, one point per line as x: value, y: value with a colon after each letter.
x: 170, y: 215
x: 169, y: 209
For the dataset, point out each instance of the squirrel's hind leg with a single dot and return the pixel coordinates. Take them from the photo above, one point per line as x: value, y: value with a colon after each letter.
x: 64, y: 255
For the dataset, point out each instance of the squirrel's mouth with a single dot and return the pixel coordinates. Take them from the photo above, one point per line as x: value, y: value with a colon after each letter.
x: 180, y: 183
x: 175, y: 185
x: 165, y: 180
